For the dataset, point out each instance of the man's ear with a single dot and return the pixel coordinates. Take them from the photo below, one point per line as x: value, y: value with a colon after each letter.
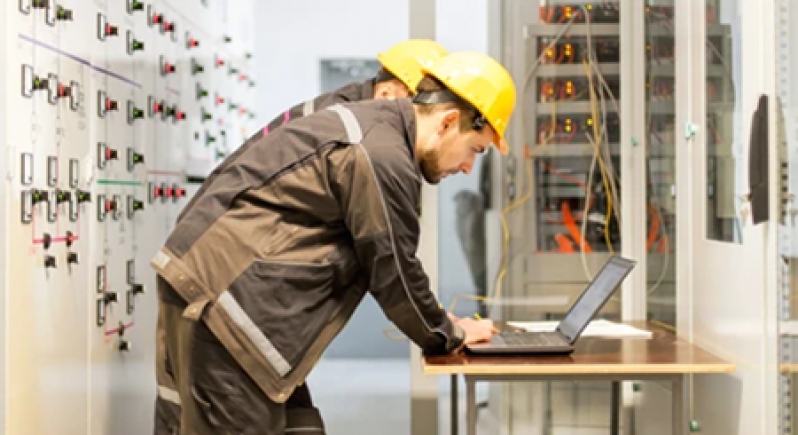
x: 450, y: 118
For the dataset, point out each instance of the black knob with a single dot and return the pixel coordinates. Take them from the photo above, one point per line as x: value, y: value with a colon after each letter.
x: 38, y: 196
x: 136, y: 6
x: 63, y: 14
x: 195, y: 67
x: 70, y: 239
x: 62, y: 196
x: 83, y: 196
x: 49, y: 261
x: 137, y: 205
x: 109, y: 297
x: 136, y: 289
x: 124, y: 345
x: 201, y: 92
x: 47, y: 240
x: 41, y: 4
x: 72, y: 258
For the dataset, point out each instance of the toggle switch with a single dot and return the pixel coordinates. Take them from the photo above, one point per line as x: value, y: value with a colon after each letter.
x: 232, y: 71
x: 133, y: 205
x: 219, y: 100
x: 133, y: 44
x: 62, y: 196
x: 208, y: 138
x: 124, y: 345
x: 232, y: 106
x: 201, y: 93
x: 133, y: 112
x: 49, y: 262
x: 105, y: 104
x: 177, y: 115
x: 177, y: 192
x: 196, y: 68
x: 218, y: 61
x: 70, y: 239
x: 135, y: 290
x: 104, y: 154
x: 41, y: 4
x: 83, y: 196
x: 104, y: 29
x: 47, y: 240
x: 205, y: 116
x: 191, y: 42
x: 155, y: 106
x: 134, y: 6
x: 63, y: 14
x: 72, y: 258
x: 133, y: 159
x: 38, y: 196
x: 109, y: 297
x: 168, y: 26
x: 227, y: 39
x: 166, y: 67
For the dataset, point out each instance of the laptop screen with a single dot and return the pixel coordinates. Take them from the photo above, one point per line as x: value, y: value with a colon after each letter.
x: 594, y: 297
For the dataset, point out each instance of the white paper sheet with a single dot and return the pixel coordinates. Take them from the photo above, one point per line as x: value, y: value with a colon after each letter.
x: 596, y: 328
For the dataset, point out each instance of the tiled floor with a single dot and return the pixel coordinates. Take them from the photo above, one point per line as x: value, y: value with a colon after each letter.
x: 368, y: 397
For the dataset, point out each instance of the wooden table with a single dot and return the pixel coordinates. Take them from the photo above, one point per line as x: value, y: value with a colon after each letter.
x: 663, y: 357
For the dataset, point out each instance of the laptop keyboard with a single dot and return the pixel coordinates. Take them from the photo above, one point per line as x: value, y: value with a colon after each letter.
x: 532, y: 338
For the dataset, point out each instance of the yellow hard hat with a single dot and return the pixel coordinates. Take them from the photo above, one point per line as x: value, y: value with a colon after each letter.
x: 405, y: 60
x: 484, y: 83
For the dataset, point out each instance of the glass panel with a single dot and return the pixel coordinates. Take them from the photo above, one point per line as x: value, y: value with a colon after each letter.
x: 565, y: 188
x: 660, y: 162
x: 724, y: 143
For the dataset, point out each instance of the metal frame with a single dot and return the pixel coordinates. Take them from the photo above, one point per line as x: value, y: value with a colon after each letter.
x: 678, y: 402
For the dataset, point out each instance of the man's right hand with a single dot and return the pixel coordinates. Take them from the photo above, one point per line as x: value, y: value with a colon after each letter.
x: 477, y: 330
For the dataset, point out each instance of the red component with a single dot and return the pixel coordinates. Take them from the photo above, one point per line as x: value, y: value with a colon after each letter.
x: 219, y: 62
x: 181, y: 193
x: 219, y: 100
x: 169, y: 192
x: 157, y: 192
x: 193, y: 42
x: 242, y: 77
x: 168, y: 68
x: 242, y: 110
x: 158, y: 107
x: 168, y: 27
x: 157, y: 18
x: 110, y: 104
x: 180, y: 115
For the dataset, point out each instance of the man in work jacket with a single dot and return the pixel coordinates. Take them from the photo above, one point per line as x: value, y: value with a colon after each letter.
x: 259, y: 277
x: 398, y: 78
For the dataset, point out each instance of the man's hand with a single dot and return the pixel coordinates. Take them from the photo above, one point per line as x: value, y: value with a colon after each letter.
x: 452, y: 317
x: 477, y: 330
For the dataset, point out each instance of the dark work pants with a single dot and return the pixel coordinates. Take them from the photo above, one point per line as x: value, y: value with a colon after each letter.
x: 203, y: 391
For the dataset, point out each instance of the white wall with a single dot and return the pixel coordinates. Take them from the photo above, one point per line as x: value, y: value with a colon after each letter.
x: 294, y: 35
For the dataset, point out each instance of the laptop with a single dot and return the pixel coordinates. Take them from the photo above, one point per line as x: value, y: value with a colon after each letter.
x: 562, y: 340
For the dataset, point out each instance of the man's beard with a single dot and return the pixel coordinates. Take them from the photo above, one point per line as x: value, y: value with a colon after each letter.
x: 430, y: 168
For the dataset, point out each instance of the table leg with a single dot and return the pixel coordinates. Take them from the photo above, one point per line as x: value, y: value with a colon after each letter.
x: 454, y: 399
x: 471, y: 406
x: 679, y: 424
x: 615, y: 412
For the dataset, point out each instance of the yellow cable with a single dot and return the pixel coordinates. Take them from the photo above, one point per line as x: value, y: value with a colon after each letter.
x: 597, y: 145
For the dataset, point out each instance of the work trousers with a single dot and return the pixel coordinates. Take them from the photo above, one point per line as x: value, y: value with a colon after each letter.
x: 203, y: 391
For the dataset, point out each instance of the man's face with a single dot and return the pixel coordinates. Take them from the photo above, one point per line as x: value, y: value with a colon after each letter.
x: 452, y: 151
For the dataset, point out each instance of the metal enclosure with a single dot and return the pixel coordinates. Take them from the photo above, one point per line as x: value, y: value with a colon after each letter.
x: 655, y: 97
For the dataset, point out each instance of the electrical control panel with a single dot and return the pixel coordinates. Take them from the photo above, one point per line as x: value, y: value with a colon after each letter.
x: 111, y: 109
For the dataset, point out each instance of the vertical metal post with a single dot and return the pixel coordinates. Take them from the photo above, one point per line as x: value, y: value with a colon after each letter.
x: 454, y: 398
x: 424, y: 389
x: 471, y: 405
